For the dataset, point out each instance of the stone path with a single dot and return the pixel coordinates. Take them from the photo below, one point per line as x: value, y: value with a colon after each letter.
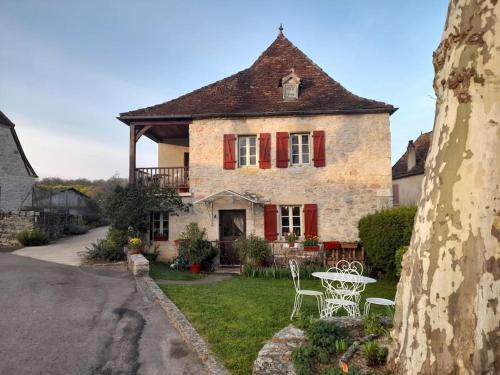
x: 212, y: 278
x: 67, y: 250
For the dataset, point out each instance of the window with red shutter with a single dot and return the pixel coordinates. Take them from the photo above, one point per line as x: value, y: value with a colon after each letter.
x: 310, y: 220
x: 282, y: 150
x: 229, y: 151
x: 319, y: 148
x: 265, y: 151
x: 270, y: 222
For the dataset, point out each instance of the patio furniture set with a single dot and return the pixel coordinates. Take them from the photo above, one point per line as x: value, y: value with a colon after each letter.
x: 343, y: 285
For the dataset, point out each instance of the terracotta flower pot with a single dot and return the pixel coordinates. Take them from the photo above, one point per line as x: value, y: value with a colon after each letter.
x: 195, y: 268
x: 134, y: 251
x: 311, y: 248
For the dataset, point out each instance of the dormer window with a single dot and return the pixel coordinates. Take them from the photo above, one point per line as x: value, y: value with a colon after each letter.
x: 290, y: 84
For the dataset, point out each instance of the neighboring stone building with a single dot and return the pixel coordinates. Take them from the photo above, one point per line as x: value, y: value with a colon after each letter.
x: 277, y: 147
x: 408, y: 172
x: 17, y: 177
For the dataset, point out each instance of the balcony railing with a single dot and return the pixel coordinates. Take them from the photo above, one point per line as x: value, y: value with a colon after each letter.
x: 166, y: 177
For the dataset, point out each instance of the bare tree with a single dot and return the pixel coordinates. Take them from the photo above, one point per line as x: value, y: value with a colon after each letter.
x: 447, y: 305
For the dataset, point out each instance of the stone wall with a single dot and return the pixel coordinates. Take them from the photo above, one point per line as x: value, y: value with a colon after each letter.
x: 15, y: 182
x: 355, y: 181
x: 13, y: 222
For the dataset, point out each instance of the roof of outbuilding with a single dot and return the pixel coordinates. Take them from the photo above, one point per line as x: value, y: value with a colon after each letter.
x: 4, y: 120
x: 257, y: 91
x: 422, y: 145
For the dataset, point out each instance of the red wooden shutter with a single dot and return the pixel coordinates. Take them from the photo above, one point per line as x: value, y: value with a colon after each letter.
x: 395, y: 194
x: 270, y: 222
x: 265, y: 151
x: 319, y: 148
x: 229, y: 151
x: 310, y: 220
x: 282, y: 150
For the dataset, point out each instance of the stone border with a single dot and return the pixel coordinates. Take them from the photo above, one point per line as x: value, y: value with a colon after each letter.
x: 275, y: 358
x: 182, y: 324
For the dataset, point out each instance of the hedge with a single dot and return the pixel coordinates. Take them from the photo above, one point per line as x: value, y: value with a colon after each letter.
x: 384, y: 232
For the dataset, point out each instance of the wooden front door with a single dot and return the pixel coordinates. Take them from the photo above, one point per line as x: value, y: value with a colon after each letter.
x: 232, y: 225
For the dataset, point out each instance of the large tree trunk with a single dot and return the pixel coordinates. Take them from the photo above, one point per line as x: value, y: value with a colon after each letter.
x: 447, y: 305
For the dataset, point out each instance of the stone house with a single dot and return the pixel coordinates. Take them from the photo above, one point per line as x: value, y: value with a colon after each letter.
x: 17, y: 176
x: 408, y: 172
x: 275, y: 148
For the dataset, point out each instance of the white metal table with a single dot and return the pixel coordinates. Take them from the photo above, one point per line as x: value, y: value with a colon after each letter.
x: 348, y: 300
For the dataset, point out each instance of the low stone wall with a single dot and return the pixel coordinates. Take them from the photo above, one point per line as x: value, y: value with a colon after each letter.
x: 13, y: 222
x: 137, y: 264
x: 275, y: 358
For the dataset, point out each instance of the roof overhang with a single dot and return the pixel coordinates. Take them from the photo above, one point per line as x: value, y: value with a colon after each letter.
x: 128, y: 119
x: 249, y: 197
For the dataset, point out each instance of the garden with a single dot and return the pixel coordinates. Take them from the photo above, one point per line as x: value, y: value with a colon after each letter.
x: 238, y: 315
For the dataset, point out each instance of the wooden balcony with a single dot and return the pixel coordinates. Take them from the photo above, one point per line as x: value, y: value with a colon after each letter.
x: 166, y: 177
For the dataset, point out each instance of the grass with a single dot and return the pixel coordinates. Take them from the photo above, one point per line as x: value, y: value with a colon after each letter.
x: 238, y: 315
x: 163, y: 271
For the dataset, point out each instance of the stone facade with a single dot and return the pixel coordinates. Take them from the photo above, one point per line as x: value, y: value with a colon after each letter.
x: 15, y: 181
x: 355, y: 181
x: 13, y: 222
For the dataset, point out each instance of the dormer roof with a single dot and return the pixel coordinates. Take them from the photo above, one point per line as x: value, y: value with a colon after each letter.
x: 257, y: 91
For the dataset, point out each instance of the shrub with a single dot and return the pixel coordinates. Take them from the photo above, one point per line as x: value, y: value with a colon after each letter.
x: 34, y: 237
x: 373, y: 326
x: 324, y: 335
x: 75, y: 229
x: 383, y: 232
x: 254, y: 249
x: 374, y: 353
x: 399, y: 259
x: 341, y: 346
x: 105, y: 250
x: 193, y: 244
x: 304, y: 359
x: 117, y: 236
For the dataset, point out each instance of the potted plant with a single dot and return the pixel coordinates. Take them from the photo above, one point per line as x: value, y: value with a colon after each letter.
x: 311, y: 243
x: 291, y: 237
x: 194, y: 246
x: 135, y: 245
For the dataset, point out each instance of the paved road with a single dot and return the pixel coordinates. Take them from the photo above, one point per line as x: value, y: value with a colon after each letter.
x: 65, y: 250
x: 58, y: 319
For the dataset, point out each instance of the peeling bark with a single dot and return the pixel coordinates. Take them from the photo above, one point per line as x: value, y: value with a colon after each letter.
x: 447, y: 317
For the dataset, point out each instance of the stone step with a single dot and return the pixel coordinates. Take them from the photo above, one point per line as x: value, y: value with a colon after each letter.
x: 228, y: 270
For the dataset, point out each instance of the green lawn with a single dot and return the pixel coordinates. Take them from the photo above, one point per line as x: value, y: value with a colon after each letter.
x: 163, y: 271
x: 238, y: 315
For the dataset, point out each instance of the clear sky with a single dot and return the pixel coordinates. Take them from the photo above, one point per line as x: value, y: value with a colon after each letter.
x: 68, y: 68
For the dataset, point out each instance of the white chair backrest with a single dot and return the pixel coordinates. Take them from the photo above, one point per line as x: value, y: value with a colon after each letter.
x: 352, y: 268
x: 294, y: 270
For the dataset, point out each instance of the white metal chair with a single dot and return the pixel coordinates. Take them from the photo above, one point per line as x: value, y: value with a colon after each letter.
x: 389, y: 304
x: 344, y: 294
x: 300, y: 293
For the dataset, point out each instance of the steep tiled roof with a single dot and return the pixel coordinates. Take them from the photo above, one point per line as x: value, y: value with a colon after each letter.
x: 257, y: 91
x: 422, y: 145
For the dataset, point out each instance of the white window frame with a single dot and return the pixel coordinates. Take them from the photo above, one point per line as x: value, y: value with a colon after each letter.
x: 164, y: 216
x: 290, y: 219
x: 247, y: 150
x: 300, y: 154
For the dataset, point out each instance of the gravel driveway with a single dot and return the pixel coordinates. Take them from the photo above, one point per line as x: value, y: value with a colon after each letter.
x: 65, y: 250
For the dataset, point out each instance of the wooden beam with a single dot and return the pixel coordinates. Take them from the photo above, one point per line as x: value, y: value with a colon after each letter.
x: 141, y: 132
x: 132, y: 152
